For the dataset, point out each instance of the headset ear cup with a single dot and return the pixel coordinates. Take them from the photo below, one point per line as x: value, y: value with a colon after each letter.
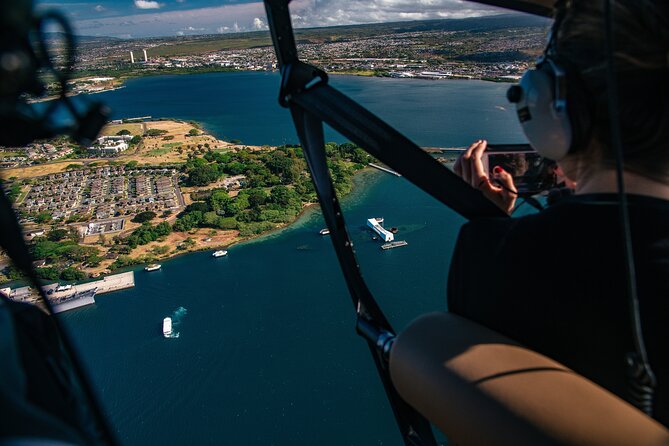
x: 547, y: 128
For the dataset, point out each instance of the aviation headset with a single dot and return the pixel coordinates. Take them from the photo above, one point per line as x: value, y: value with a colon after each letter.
x: 551, y: 104
x: 24, y: 57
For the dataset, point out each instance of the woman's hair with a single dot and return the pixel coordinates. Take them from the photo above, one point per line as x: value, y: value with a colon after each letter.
x: 641, y: 34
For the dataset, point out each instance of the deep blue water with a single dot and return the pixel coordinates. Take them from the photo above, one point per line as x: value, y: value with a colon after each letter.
x: 244, y: 106
x: 267, y: 352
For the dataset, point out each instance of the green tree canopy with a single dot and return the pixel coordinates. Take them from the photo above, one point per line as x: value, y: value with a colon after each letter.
x: 257, y: 197
x: 57, y: 234
x: 144, y: 217
x: 202, y: 174
x: 71, y: 273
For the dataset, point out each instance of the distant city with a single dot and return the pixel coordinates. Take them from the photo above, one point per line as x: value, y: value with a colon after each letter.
x: 493, y: 48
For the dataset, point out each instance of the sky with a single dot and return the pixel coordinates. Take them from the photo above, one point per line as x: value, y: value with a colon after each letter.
x: 149, y: 18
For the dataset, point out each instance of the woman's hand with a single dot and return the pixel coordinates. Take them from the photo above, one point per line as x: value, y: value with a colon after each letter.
x: 470, y: 167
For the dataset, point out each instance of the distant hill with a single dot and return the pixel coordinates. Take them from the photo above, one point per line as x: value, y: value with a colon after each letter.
x: 190, y: 45
x: 81, y: 39
x: 488, y: 23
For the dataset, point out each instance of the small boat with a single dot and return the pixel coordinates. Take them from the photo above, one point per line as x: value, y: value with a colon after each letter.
x: 394, y: 230
x: 167, y: 327
x: 219, y: 253
x: 152, y: 267
x: 63, y: 288
x: 324, y: 231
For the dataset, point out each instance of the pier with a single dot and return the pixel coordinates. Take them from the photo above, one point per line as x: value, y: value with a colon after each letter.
x: 444, y: 149
x: 385, y: 169
x: 115, y: 282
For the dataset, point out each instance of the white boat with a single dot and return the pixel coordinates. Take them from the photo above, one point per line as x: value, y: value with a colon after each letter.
x: 219, y: 253
x: 63, y: 288
x: 167, y: 327
x: 72, y: 301
x: 153, y: 267
x: 325, y: 231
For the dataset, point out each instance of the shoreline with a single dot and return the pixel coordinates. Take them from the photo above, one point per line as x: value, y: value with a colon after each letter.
x: 305, y: 213
x: 125, y: 77
x: 306, y: 210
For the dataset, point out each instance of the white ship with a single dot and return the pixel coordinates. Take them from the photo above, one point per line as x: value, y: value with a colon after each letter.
x: 375, y: 225
x: 219, y: 253
x: 63, y: 288
x: 325, y: 231
x: 167, y: 327
x: 153, y: 267
x: 72, y: 301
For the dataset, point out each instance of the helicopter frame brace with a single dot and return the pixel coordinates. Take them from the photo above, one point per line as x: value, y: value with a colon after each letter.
x: 312, y: 102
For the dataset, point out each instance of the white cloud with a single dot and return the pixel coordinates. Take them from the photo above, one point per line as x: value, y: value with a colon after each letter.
x: 305, y: 13
x: 180, y: 33
x: 147, y: 4
x: 100, y: 8
x: 259, y: 24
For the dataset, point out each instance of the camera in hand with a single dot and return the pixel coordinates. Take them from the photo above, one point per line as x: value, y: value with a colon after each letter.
x: 532, y: 173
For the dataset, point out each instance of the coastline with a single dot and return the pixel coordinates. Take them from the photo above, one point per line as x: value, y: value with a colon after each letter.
x: 121, y: 79
x: 303, y: 217
x: 161, y: 248
x: 360, y: 179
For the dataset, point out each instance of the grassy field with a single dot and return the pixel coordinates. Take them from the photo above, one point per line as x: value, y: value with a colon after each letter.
x: 153, y: 150
x: 133, y: 128
x: 183, y: 47
x: 10, y: 154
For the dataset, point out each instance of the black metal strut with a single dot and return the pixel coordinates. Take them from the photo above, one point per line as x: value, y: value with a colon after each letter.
x: 312, y: 102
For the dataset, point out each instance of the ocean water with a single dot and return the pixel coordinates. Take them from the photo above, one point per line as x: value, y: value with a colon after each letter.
x: 244, y: 106
x: 267, y: 352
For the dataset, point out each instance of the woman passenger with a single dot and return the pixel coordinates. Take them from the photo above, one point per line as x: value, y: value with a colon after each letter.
x: 555, y: 281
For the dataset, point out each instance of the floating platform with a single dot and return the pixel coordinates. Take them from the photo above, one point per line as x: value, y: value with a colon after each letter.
x: 395, y: 244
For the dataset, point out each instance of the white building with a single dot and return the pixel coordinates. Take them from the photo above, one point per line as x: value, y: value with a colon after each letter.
x: 110, y: 145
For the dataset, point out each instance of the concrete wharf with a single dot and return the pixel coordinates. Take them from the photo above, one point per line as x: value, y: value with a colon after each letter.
x: 107, y: 284
x: 385, y: 169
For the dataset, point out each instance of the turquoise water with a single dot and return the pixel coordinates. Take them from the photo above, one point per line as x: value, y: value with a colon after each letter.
x: 267, y: 352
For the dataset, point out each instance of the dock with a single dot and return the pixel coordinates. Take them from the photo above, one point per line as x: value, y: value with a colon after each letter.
x: 107, y: 284
x: 84, y: 292
x: 385, y: 169
x: 395, y: 244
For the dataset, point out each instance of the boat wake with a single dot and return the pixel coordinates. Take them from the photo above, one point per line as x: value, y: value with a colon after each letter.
x: 177, y: 317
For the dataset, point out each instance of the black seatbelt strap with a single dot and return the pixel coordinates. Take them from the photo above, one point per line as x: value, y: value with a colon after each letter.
x: 641, y: 379
x: 392, y: 148
x: 372, y: 323
x: 11, y: 240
